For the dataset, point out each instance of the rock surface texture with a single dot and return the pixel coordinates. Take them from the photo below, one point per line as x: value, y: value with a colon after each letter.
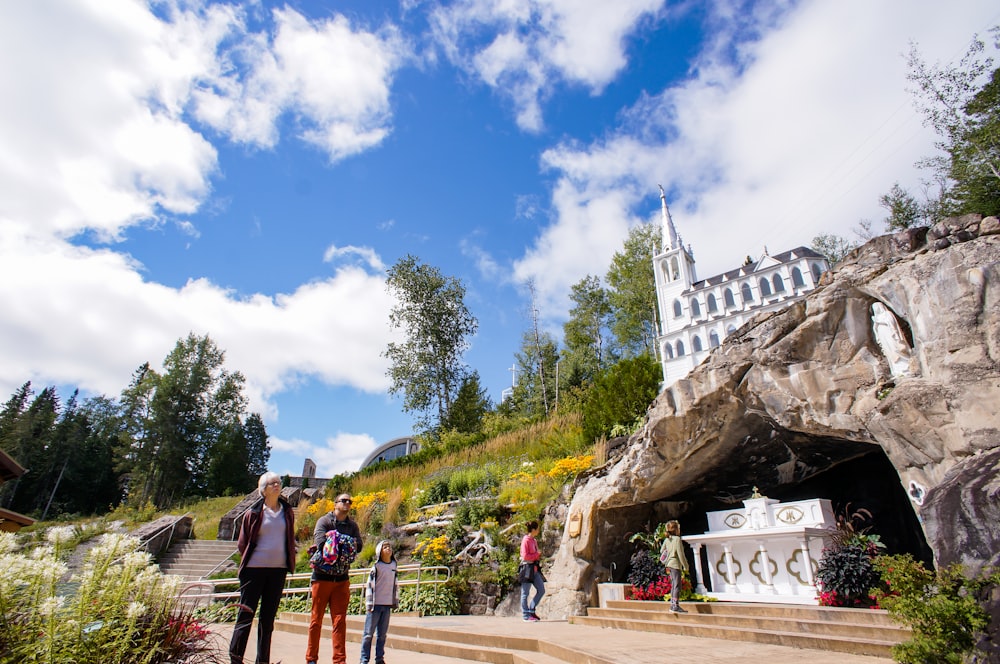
x: 794, y: 395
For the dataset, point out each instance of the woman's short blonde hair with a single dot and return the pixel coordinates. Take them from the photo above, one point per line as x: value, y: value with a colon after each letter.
x: 673, y: 528
x: 263, y: 481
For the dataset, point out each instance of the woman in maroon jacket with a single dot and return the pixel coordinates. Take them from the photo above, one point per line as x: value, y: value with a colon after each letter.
x: 267, y: 548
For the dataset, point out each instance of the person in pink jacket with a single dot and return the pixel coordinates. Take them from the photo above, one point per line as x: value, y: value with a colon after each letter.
x: 531, y: 575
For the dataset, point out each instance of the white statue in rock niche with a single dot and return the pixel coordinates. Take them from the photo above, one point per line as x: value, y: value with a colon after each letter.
x: 891, y: 340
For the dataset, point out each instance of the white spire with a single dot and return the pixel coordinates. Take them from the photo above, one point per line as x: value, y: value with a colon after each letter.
x: 669, y: 232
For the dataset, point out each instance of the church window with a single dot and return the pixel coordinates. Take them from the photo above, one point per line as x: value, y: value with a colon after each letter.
x: 678, y: 312
x: 730, y: 330
x: 696, y: 343
x: 730, y: 301
x: 765, y: 287
x: 779, y: 284
x: 713, y: 339
x: 668, y: 351
x: 747, y: 294
x: 680, y: 348
x: 817, y: 271
x: 797, y: 281
x: 713, y: 306
x: 675, y: 272
x: 695, y: 307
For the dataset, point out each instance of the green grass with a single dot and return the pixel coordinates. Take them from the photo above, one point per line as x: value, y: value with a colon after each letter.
x: 207, y: 513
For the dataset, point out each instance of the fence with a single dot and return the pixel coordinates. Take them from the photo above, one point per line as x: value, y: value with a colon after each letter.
x: 413, y: 574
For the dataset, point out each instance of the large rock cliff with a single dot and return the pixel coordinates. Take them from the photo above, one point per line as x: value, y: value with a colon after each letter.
x: 881, y: 388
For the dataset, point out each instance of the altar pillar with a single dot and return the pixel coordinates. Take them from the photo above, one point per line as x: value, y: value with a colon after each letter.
x: 807, y: 561
x: 730, y: 576
x: 698, y: 572
x: 765, y: 571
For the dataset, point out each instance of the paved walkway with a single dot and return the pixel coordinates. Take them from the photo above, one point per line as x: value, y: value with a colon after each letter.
x: 627, y: 647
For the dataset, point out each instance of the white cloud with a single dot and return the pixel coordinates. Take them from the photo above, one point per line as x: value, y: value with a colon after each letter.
x: 521, y: 48
x: 367, y: 256
x: 334, y: 79
x: 95, y: 139
x: 86, y: 317
x: 343, y: 452
x: 99, y: 140
x: 771, y: 141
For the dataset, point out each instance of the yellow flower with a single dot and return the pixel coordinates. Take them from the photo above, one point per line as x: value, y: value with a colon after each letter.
x: 433, y: 551
x: 362, y: 501
x: 321, y: 506
x: 568, y: 467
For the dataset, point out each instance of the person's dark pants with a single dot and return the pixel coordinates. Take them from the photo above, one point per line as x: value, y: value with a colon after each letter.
x: 675, y: 587
x: 258, y: 585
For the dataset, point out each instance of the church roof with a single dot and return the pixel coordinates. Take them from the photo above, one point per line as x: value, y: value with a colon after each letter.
x: 746, y: 270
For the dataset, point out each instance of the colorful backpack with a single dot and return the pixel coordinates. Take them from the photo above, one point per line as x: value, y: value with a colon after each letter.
x: 336, y: 554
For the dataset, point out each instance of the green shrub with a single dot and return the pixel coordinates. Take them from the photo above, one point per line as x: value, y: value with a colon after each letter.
x: 621, y: 394
x: 941, y: 608
x: 436, y: 493
x: 436, y: 599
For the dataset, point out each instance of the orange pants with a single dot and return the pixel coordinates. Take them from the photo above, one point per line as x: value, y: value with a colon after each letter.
x: 335, y: 595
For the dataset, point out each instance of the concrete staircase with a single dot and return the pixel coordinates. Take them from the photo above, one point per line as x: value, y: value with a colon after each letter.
x: 456, y: 642
x: 855, y: 631
x: 194, y: 559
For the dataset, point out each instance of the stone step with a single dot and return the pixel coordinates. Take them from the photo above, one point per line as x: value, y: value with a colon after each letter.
x: 207, y: 545
x: 874, y: 630
x: 787, y: 611
x: 460, y: 644
x: 194, y: 559
x: 858, y: 632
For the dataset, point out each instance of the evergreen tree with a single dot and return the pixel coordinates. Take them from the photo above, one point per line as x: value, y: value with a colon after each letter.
x: 258, y: 447
x: 621, y: 394
x: 30, y: 446
x: 191, y: 401
x: 469, y: 407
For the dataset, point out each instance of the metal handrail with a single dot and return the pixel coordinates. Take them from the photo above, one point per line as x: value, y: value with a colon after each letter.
x: 220, y: 564
x: 173, y: 524
x: 418, y: 568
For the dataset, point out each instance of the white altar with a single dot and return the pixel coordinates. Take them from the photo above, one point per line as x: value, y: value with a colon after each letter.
x: 766, y: 552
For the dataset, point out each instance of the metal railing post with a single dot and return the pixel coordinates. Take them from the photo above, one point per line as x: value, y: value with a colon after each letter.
x: 416, y: 594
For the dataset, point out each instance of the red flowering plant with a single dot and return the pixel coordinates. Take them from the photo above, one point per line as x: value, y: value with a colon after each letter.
x: 847, y: 572
x: 649, y: 580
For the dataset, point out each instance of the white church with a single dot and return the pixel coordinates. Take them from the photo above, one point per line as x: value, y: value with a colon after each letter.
x: 697, y: 314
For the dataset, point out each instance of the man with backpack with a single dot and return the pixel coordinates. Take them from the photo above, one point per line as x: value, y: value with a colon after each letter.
x: 331, y: 584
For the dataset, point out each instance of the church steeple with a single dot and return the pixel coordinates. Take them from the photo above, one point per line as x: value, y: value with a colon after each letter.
x: 670, y: 240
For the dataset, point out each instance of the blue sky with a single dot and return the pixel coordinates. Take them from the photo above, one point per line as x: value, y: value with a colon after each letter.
x: 249, y: 171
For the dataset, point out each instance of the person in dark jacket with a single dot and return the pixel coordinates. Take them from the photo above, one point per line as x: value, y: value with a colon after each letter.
x: 267, y: 549
x: 331, y: 592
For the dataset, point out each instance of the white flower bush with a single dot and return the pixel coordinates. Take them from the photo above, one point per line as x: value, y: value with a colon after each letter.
x: 118, y: 609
